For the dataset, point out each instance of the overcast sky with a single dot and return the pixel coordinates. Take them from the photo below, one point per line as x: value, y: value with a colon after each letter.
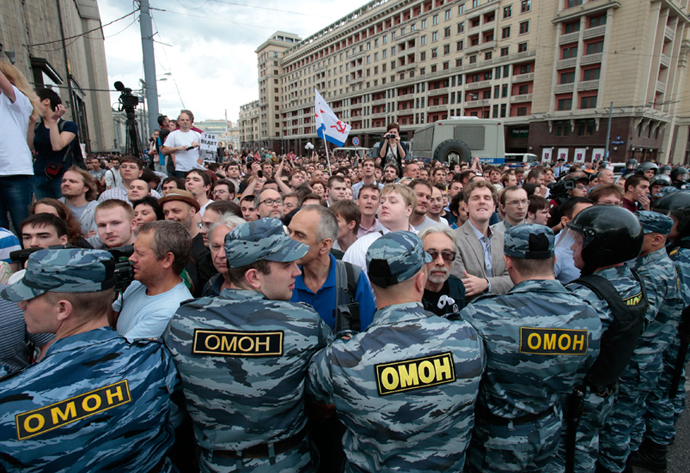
x: 208, y: 47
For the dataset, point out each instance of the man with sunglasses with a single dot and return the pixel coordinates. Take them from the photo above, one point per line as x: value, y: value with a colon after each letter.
x: 444, y: 294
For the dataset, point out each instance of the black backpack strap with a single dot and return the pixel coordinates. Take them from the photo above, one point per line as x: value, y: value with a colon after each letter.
x: 346, y: 280
x: 620, y: 338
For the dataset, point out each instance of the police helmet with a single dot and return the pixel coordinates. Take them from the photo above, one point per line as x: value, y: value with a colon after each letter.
x: 679, y: 174
x: 642, y: 168
x: 665, y: 169
x: 676, y: 205
x: 611, y: 235
x: 631, y: 164
x: 660, y: 180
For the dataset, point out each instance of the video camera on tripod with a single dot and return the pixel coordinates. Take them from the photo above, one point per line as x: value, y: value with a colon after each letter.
x: 128, y: 102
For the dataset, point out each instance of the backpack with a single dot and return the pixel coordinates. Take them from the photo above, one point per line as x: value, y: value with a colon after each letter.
x: 346, y: 312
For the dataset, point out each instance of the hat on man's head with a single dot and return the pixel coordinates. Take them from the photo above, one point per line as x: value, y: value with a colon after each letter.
x: 529, y: 241
x: 264, y: 239
x: 181, y: 195
x: 70, y: 270
x: 654, y: 222
x: 395, y: 257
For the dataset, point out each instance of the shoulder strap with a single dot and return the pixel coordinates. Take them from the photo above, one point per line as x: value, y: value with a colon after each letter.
x: 346, y: 280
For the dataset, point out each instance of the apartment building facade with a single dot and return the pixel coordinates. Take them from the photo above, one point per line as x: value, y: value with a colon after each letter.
x: 249, y: 128
x: 549, y: 68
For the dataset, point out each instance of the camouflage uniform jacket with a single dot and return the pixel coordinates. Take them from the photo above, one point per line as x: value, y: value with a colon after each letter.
x: 681, y: 260
x: 540, y: 340
x: 665, y: 304
x: 243, y: 361
x: 405, y: 390
x: 94, y: 403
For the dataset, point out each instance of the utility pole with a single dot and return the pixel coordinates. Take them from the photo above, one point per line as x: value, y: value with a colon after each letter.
x: 151, y: 86
x: 608, y: 134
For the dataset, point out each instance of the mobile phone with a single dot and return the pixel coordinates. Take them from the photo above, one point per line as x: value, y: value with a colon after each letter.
x: 190, y: 147
x: 260, y: 174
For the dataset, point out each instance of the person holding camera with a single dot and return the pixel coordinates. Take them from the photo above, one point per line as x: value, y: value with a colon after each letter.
x: 51, y: 138
x: 393, y: 151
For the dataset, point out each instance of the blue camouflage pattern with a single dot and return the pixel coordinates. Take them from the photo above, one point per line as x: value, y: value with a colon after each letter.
x: 119, y: 414
x: 654, y: 222
x: 395, y: 257
x: 523, y: 379
x: 408, y: 425
x: 662, y: 410
x: 264, y: 239
x: 62, y: 270
x: 239, y: 400
x: 642, y: 373
x: 596, y: 408
x: 529, y: 240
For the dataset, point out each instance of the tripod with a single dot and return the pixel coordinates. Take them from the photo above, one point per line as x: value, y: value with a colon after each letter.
x: 133, y: 143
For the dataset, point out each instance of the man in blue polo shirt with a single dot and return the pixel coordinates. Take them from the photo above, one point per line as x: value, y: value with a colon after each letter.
x: 317, y: 227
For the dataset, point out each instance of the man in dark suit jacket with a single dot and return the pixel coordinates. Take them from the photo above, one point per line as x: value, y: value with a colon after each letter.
x: 479, y: 262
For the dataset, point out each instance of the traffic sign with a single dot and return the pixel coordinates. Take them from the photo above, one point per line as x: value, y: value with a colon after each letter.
x: 355, y: 141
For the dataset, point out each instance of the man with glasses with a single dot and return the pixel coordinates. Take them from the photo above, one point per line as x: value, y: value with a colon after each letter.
x: 444, y: 294
x: 514, y: 203
x: 269, y: 203
x: 223, y: 189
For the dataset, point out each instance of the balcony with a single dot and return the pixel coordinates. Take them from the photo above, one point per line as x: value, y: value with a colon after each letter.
x: 437, y: 108
x: 476, y: 103
x: 523, y: 77
x: 472, y: 50
x: 487, y: 45
x: 521, y: 98
x: 439, y: 91
x: 569, y: 38
x: 594, y: 32
x: 378, y: 115
x: 591, y: 59
x: 482, y: 84
x: 660, y: 87
x: 665, y: 60
x: 563, y: 88
x: 670, y: 33
x: 379, y: 102
x: 588, y: 85
x: 566, y: 63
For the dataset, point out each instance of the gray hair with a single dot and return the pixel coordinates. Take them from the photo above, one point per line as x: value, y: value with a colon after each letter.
x: 328, y: 223
x: 170, y: 237
x: 440, y: 228
x: 228, y: 219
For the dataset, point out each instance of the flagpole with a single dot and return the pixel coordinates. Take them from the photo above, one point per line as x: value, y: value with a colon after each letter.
x: 328, y: 159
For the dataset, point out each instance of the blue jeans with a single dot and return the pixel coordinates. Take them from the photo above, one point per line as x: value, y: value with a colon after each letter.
x: 15, y: 197
x: 45, y: 187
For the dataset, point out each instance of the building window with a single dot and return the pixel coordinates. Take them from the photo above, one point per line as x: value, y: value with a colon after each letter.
x: 573, y: 27
x: 446, y: 49
x: 525, y: 6
x: 567, y: 77
x: 434, y: 20
x: 573, y: 3
x: 597, y: 21
x: 423, y: 40
x: 393, y: 50
x: 446, y: 32
x: 505, y: 32
x: 434, y: 52
x: 446, y: 66
x: 424, y: 24
x: 487, y: 76
x: 475, y: 3
x: 461, y: 27
x: 384, y: 54
x: 461, y: 9
x: 594, y: 48
x: 525, y: 68
x: 447, y: 15
x: 458, y: 62
x: 508, y: 11
x: 422, y: 56
x: 473, y: 59
x: 505, y: 51
x: 385, y: 39
x: 585, y: 127
x: 497, y: 92
x: 588, y: 102
x: 523, y: 90
x: 422, y: 71
x: 561, y: 127
x: 524, y: 27
x: 565, y: 104
x: 433, y: 68
x: 458, y: 46
x: 522, y: 111
x: 591, y: 74
x: 569, y: 52
x: 434, y: 36
x: 504, y: 90
x: 488, y: 56
x: 498, y: 72
x: 503, y: 110
x: 522, y: 47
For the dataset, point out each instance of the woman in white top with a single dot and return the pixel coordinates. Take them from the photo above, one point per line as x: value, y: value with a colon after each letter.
x: 18, y: 113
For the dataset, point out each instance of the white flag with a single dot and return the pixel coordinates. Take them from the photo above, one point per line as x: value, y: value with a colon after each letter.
x: 328, y: 126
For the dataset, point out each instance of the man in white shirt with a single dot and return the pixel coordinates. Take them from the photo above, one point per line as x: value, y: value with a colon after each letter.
x: 161, y: 252
x: 131, y: 168
x: 183, y: 145
x: 397, y: 204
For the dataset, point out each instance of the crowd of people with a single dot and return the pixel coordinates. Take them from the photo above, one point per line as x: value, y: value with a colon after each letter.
x: 270, y: 312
